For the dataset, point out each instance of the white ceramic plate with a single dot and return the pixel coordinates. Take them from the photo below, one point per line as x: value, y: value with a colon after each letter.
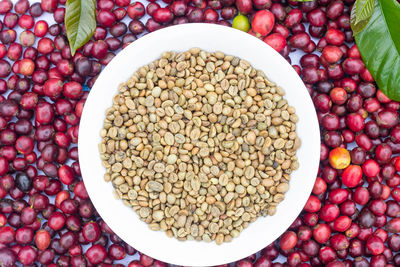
x: 124, y: 221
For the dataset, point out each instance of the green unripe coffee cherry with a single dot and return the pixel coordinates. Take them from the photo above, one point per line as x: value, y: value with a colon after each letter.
x: 241, y: 22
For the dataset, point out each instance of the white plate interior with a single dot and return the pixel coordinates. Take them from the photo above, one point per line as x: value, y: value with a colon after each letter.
x: 124, y: 221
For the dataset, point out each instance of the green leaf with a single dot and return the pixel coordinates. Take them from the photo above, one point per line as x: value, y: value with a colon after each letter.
x: 364, y: 9
x: 80, y: 21
x: 360, y: 14
x: 379, y: 45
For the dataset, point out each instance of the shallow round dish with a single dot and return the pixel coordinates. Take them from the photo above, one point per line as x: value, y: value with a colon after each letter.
x: 123, y: 220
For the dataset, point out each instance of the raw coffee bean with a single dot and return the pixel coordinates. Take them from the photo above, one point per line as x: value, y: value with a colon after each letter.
x: 157, y: 128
